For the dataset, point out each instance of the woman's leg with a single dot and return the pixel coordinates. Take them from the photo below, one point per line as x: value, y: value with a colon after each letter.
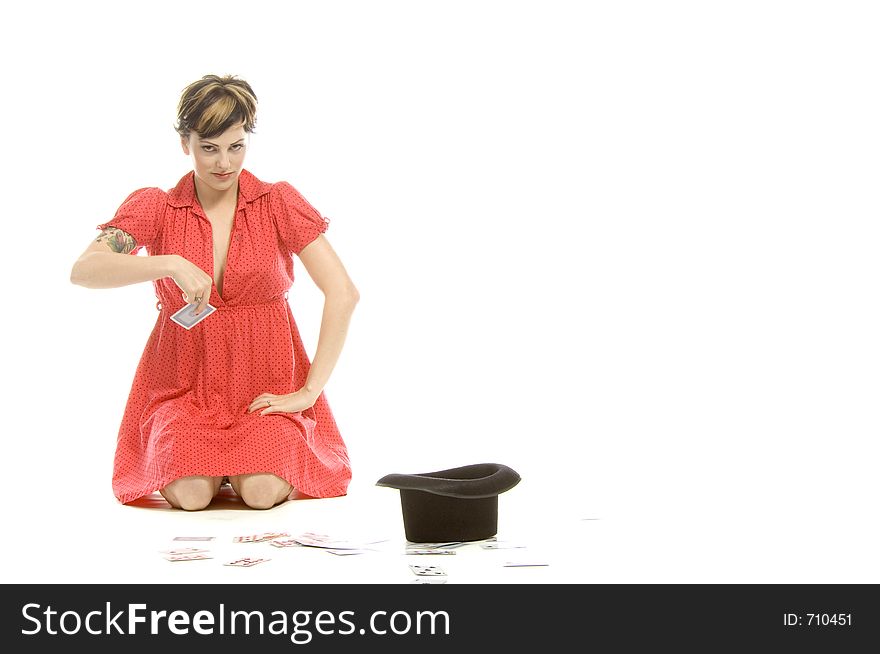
x: 191, y: 493
x: 260, y: 490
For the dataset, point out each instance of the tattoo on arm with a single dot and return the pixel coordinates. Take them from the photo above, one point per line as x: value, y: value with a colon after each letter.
x: 117, y: 240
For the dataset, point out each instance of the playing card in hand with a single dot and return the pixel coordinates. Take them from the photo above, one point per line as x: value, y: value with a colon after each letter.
x: 187, y: 318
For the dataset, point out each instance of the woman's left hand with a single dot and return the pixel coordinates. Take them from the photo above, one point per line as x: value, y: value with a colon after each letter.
x: 290, y: 403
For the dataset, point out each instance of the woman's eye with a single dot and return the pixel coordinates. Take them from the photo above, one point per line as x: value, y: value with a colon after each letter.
x: 209, y: 148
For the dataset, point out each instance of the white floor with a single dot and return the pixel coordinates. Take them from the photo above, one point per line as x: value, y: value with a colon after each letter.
x: 83, y: 539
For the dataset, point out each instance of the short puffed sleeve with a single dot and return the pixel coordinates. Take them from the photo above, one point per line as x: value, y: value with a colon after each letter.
x: 298, y: 222
x: 141, y: 216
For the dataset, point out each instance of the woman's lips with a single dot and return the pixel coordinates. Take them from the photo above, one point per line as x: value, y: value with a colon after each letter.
x: 224, y: 176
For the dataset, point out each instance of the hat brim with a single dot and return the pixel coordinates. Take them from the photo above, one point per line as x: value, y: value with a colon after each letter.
x: 475, y: 481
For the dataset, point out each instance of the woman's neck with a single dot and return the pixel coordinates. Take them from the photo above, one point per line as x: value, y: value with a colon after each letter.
x: 209, y: 197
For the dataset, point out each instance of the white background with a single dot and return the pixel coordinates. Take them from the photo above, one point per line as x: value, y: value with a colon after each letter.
x: 626, y: 248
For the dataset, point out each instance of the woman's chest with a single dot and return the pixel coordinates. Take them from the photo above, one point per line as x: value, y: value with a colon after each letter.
x: 222, y: 222
x: 237, y: 248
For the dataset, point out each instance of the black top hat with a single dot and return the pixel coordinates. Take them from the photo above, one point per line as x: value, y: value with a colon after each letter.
x: 458, y: 504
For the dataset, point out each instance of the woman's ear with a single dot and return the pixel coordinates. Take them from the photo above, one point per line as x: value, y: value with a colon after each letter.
x: 184, y: 143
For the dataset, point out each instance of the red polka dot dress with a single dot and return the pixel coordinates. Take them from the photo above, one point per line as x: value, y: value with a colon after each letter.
x: 187, y: 413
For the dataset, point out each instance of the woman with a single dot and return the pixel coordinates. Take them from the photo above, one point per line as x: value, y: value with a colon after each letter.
x: 235, y: 396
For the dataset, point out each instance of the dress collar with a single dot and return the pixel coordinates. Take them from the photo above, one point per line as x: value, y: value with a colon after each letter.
x: 249, y: 189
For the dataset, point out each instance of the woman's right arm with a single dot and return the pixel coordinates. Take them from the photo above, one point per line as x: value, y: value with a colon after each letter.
x: 106, y: 263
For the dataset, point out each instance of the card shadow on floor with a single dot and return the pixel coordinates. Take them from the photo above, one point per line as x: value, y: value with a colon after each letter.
x: 225, y: 500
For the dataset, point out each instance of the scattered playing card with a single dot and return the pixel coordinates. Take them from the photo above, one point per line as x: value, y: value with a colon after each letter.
x: 310, y: 539
x: 427, y: 570
x: 188, y: 557
x: 246, y: 562
x: 184, y: 550
x: 286, y: 542
x: 318, y: 540
x: 345, y: 552
x: 430, y: 552
x: 434, y: 546
x: 187, y: 318
x: 194, y: 538
x: 259, y: 538
x: 500, y: 545
x: 525, y: 563
x: 429, y: 580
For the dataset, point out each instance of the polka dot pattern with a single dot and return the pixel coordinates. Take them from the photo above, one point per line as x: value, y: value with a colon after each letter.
x: 186, y: 413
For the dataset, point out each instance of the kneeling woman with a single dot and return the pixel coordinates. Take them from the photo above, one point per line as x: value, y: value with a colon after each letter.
x: 234, y: 395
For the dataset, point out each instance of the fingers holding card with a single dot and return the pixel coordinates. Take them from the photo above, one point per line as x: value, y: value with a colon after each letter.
x: 187, y: 317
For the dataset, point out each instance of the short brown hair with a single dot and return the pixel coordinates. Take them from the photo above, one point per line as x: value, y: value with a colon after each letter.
x: 213, y: 104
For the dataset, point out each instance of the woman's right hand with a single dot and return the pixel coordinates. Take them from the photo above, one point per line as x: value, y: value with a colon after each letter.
x: 193, y: 281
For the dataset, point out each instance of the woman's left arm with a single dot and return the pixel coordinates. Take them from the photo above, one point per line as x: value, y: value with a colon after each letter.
x: 340, y: 298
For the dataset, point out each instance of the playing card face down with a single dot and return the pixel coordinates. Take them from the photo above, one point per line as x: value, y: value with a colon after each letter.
x: 187, y: 318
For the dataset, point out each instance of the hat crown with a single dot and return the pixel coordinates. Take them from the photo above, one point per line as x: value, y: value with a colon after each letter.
x: 457, y: 504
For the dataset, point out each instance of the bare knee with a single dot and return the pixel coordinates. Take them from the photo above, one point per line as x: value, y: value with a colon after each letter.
x: 262, y: 490
x: 190, y: 493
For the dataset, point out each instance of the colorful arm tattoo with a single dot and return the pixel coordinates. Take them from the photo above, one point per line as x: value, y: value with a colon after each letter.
x: 117, y: 240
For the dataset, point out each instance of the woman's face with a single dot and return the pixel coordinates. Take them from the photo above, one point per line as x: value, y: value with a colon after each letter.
x: 223, y: 154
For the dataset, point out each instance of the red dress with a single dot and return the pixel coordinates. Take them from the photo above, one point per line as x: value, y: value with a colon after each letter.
x: 187, y: 413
